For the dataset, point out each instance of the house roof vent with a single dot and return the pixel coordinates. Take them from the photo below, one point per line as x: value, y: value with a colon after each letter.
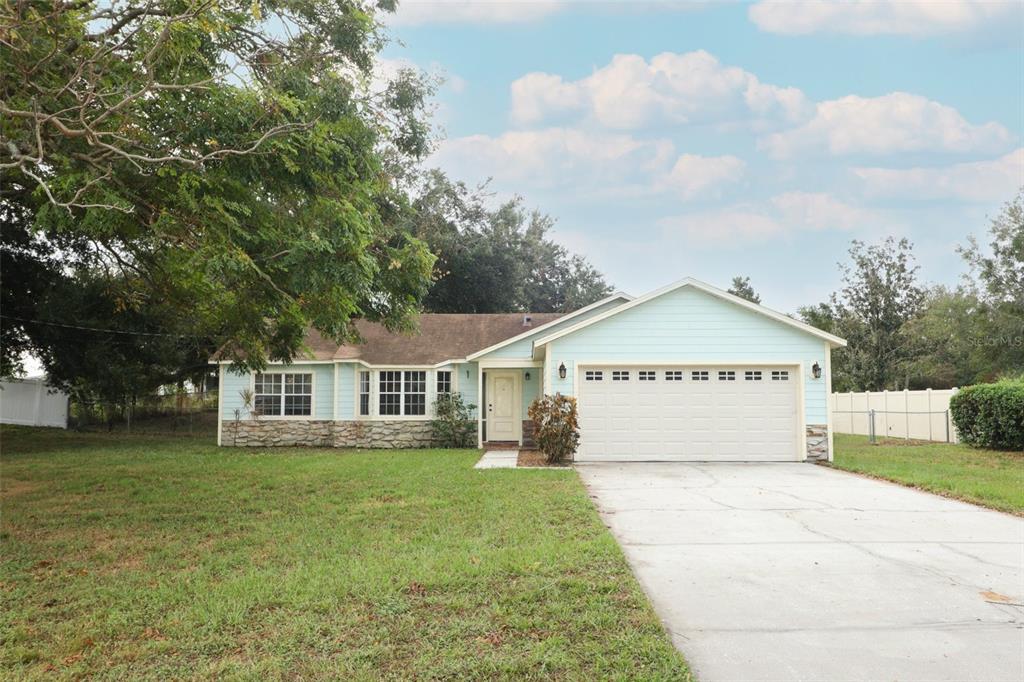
x: 527, y: 321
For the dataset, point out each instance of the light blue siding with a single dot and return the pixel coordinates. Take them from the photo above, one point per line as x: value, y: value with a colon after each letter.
x: 523, y: 349
x: 346, y: 390
x: 323, y: 381
x: 466, y: 385
x: 531, y: 388
x: 690, y: 325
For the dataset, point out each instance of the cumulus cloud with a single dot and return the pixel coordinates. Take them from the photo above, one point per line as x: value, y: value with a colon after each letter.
x: 873, y: 17
x: 671, y: 88
x: 893, y: 123
x: 782, y: 215
x: 613, y: 163
x: 414, y: 12
x: 983, y: 181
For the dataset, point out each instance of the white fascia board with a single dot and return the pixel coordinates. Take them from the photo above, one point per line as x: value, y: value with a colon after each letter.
x: 701, y: 286
x: 597, y: 304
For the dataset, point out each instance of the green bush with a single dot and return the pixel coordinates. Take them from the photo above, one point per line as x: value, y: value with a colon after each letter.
x: 990, y: 415
x: 556, y: 426
x: 453, y: 425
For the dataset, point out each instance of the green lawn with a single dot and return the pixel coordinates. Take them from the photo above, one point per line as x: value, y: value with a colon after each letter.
x: 986, y: 477
x: 169, y: 558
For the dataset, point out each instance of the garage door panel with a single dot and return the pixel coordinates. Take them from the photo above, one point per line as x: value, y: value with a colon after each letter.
x: 687, y: 419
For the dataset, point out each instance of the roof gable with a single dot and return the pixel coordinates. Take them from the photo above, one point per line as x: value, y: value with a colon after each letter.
x: 548, y: 326
x: 700, y: 286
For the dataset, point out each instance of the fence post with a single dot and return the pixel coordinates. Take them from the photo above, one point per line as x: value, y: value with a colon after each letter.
x: 906, y: 414
x: 947, y: 426
x: 871, y: 426
x: 929, y: 394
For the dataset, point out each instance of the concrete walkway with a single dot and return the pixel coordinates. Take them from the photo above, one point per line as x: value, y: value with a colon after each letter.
x: 498, y: 459
x: 798, y: 572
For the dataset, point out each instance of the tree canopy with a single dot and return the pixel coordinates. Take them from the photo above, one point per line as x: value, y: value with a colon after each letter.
x: 741, y: 287
x: 230, y: 164
x: 496, y: 260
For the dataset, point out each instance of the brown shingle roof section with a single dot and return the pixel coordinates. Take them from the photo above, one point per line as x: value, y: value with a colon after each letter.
x: 439, y: 337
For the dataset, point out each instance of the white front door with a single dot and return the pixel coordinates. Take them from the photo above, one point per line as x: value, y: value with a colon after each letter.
x: 503, y: 406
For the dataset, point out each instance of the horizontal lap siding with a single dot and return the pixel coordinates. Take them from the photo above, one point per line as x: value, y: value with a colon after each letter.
x: 688, y: 325
x: 466, y: 385
x: 346, y: 390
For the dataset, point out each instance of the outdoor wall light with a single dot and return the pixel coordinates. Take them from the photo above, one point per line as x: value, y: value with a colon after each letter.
x: 816, y: 370
x: 561, y: 371
x: 527, y: 376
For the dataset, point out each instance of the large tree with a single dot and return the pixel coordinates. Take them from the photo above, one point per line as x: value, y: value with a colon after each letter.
x: 999, y: 273
x: 231, y: 164
x: 496, y: 260
x: 879, y: 295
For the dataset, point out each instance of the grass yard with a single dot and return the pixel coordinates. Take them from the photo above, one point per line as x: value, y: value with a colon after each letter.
x: 986, y: 477
x: 159, y: 558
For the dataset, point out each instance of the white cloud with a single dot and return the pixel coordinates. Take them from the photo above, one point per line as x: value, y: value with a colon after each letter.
x: 612, y: 163
x: 414, y: 12
x: 871, y: 17
x: 984, y: 181
x: 893, y: 123
x: 819, y: 211
x: 694, y: 175
x: 783, y: 215
x: 630, y: 93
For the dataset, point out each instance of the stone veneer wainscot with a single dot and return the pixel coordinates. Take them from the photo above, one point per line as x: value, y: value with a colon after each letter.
x: 326, y: 433
x: 817, y: 443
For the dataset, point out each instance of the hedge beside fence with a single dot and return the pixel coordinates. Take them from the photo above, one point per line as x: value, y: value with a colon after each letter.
x: 990, y: 415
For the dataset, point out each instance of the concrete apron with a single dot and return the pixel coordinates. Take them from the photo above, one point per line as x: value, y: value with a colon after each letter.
x: 798, y: 572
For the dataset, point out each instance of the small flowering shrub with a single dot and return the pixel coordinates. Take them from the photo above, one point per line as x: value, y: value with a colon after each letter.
x: 556, y: 427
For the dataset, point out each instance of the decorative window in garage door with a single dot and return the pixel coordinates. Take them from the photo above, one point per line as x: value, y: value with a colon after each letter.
x: 674, y: 375
x: 726, y: 375
x: 699, y: 375
x: 593, y: 375
x: 620, y: 375
x: 752, y: 375
x: 646, y: 375
x: 780, y: 375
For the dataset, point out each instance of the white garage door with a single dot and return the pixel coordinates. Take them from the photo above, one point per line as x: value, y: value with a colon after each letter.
x: 741, y: 413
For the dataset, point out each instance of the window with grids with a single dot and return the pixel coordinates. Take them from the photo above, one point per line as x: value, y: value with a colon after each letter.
x: 646, y: 375
x: 279, y: 394
x: 726, y: 375
x: 364, y: 394
x: 444, y: 381
x: 593, y: 375
x: 674, y: 375
x: 780, y: 375
x: 620, y: 375
x: 402, y: 393
x: 699, y: 375
x: 752, y: 375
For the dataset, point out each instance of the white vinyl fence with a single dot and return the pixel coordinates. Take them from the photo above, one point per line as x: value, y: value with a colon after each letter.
x: 31, y: 402
x: 918, y: 415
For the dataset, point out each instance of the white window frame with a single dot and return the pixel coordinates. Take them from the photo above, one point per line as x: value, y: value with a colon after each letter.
x: 753, y: 375
x: 727, y: 375
x: 427, y: 375
x: 780, y: 375
x: 360, y: 373
x: 646, y: 375
x: 437, y: 382
x: 281, y: 415
x: 700, y: 375
x: 675, y: 375
x: 593, y: 375
x: 620, y: 374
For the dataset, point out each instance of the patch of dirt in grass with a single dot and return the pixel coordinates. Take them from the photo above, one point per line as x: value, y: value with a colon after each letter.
x: 535, y: 458
x: 13, y: 488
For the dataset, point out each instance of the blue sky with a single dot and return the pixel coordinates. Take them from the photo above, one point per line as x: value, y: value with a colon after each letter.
x: 713, y: 140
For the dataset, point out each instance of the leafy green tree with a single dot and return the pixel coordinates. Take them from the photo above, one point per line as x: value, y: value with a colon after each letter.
x: 496, y: 260
x: 228, y: 162
x: 880, y: 294
x: 1000, y: 283
x: 741, y: 287
x: 948, y: 339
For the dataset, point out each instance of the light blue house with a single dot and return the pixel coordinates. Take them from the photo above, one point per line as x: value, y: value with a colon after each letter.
x: 687, y: 372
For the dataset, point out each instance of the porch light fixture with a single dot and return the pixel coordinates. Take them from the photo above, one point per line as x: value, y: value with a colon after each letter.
x: 527, y: 376
x: 561, y: 371
x: 816, y: 370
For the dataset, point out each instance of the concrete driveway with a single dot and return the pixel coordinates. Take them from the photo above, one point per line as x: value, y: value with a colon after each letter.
x: 798, y: 572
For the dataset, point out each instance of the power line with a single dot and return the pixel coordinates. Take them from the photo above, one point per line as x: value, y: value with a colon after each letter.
x: 98, y: 329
